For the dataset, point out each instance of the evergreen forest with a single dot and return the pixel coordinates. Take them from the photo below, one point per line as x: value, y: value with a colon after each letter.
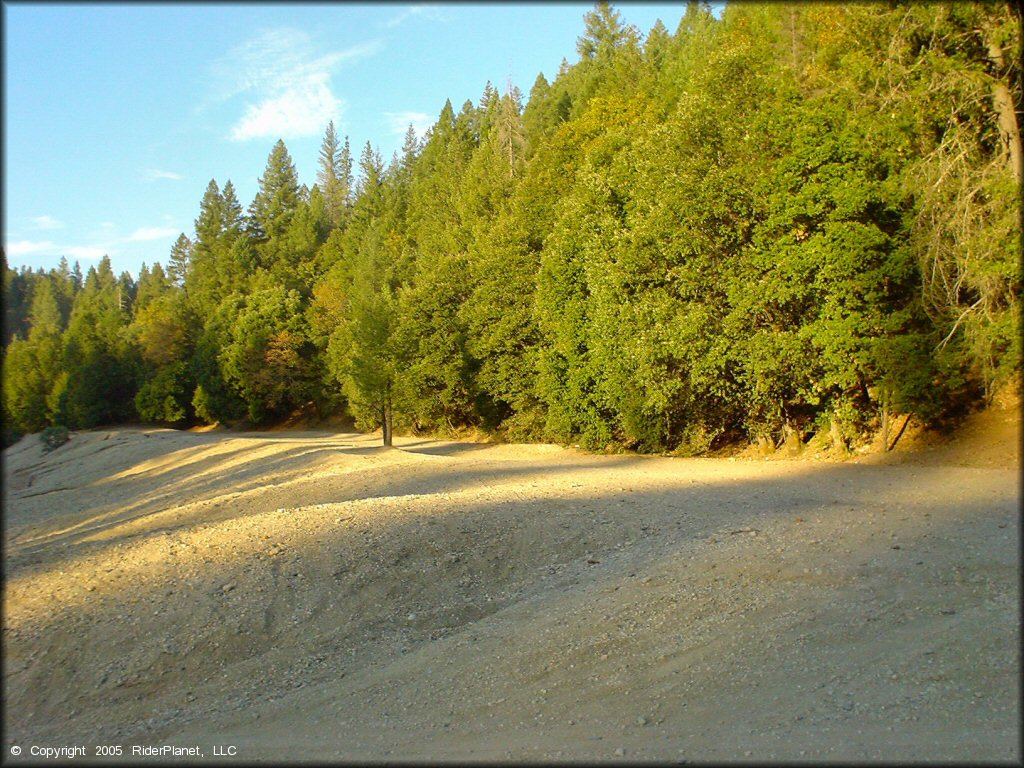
x: 791, y: 220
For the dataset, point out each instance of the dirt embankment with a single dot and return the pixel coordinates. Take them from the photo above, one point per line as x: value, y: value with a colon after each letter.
x: 313, y: 596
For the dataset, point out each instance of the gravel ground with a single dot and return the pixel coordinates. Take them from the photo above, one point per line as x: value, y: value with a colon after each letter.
x: 312, y: 596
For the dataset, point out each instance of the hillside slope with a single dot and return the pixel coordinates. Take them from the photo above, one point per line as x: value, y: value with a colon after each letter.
x: 314, y: 596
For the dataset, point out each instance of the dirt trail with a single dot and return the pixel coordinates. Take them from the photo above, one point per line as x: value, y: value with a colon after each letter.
x: 312, y: 596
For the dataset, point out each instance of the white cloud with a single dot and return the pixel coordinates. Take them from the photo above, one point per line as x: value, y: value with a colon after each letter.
x: 84, y: 252
x: 398, y: 123
x: 154, y: 174
x: 427, y: 11
x: 289, y: 86
x: 105, y: 244
x: 299, y: 111
x: 25, y: 247
x: 47, y: 222
x: 151, y: 233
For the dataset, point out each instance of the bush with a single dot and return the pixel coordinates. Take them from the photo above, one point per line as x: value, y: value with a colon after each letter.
x: 164, y: 398
x: 54, y: 437
x: 11, y: 436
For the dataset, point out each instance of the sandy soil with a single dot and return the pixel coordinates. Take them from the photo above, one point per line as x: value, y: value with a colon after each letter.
x: 312, y: 596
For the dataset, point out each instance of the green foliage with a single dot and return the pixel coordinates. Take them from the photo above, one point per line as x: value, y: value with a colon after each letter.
x: 10, y: 435
x: 334, y: 178
x: 33, y: 366
x: 214, y: 400
x: 205, y: 407
x: 165, y: 398
x: 164, y: 330
x: 779, y: 222
x: 179, y: 260
x: 263, y: 355
x: 364, y: 357
x: 25, y: 386
x: 275, y: 203
x: 57, y: 399
x: 101, y: 364
x: 53, y: 438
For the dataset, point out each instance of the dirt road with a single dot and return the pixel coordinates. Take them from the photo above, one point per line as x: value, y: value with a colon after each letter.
x: 312, y: 596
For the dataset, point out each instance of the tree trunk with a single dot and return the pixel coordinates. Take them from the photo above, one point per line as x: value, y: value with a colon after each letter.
x: 1002, y: 100
x: 902, y: 430
x: 885, y: 420
x: 836, y: 433
x: 386, y: 423
x: 791, y: 439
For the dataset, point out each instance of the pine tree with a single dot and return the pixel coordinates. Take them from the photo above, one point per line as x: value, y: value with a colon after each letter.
x: 335, y: 177
x: 65, y: 289
x: 371, y: 172
x: 266, y: 357
x: 16, y: 299
x: 26, y: 386
x: 509, y: 131
x: 44, y: 315
x: 232, y: 215
x: 357, y: 306
x: 235, y: 260
x: 202, y: 280
x: 411, y: 147
x: 32, y: 366
x: 757, y: 226
x: 604, y: 33
x: 151, y: 285
x: 179, y: 262
x: 100, y: 363
x: 277, y: 198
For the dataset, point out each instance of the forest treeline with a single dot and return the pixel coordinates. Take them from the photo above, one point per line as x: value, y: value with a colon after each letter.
x: 789, y: 220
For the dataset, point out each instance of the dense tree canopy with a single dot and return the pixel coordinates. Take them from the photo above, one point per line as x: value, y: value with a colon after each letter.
x: 792, y: 220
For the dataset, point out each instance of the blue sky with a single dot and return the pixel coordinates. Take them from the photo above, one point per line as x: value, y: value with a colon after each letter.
x: 117, y: 116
